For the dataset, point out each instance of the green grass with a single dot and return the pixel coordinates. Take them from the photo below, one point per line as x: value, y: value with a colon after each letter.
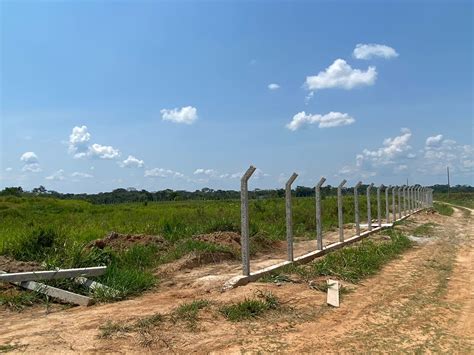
x: 188, y: 313
x: 443, y: 209
x: 465, y: 199
x: 424, y: 229
x: 351, y: 263
x: 55, y: 232
x: 250, y: 308
x: 110, y: 328
x: 17, y: 301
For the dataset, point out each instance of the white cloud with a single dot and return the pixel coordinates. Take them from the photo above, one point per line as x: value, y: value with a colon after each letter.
x: 393, y: 155
x: 132, y: 162
x: 369, y: 51
x: 31, y: 163
x: 273, y: 86
x: 341, y: 75
x: 331, y: 119
x: 58, y: 175
x: 434, y: 141
x: 163, y: 173
x: 440, y: 153
x: 185, y: 115
x: 80, y: 147
x: 78, y: 141
x: 103, y: 151
x: 77, y: 174
x: 9, y: 169
x: 29, y: 158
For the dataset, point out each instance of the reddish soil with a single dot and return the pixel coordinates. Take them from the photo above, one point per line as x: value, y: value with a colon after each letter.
x: 119, y: 241
x: 229, y: 240
x: 8, y: 264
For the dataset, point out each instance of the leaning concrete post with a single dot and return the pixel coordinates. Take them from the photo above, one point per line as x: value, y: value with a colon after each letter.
x: 289, y: 222
x: 379, y: 207
x: 356, y: 207
x: 340, y: 216
x: 319, y: 227
x: 244, y: 220
x: 369, y: 212
x: 387, y: 202
x: 394, y: 212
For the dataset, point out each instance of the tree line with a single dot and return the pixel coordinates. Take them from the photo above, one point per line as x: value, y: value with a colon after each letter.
x: 122, y: 195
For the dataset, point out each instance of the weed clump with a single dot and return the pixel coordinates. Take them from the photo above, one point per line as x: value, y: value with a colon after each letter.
x: 188, y: 313
x: 250, y: 308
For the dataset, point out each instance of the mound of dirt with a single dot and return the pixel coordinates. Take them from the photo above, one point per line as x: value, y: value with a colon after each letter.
x: 230, y: 240
x: 122, y: 242
x: 8, y: 264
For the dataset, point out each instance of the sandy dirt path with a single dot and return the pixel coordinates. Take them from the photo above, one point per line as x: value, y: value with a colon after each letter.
x: 422, y: 301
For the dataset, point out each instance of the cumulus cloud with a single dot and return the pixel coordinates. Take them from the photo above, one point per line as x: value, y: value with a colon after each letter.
x: 273, y: 86
x: 78, y: 174
x: 8, y: 169
x: 341, y: 75
x: 103, y: 151
x: 439, y: 153
x: 132, y: 162
x: 30, y: 162
x: 78, y: 141
x: 393, y: 154
x: 369, y: 51
x: 185, y: 115
x: 81, y: 148
x: 58, y: 175
x: 208, y: 172
x: 331, y: 119
x: 434, y: 141
x: 163, y: 173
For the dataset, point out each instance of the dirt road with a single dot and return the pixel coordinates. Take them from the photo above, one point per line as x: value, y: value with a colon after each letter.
x: 422, y: 301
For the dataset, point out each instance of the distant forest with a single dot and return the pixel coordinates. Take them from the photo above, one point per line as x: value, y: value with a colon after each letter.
x: 133, y: 195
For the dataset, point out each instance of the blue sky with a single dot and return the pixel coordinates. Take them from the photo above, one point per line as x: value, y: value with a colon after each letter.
x: 97, y: 95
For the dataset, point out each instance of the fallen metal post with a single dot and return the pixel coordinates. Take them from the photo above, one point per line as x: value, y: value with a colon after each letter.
x: 319, y: 227
x: 244, y: 216
x: 289, y: 217
x: 340, y: 216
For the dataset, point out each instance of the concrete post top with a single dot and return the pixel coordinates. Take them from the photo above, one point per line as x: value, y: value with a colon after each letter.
x: 248, y: 173
x: 321, y: 182
x: 370, y: 186
x: 343, y: 182
x: 358, y: 184
x: 381, y: 186
x: 291, y: 179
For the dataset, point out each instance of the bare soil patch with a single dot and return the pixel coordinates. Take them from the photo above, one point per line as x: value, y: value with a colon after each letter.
x: 8, y: 264
x: 121, y: 242
x: 229, y: 240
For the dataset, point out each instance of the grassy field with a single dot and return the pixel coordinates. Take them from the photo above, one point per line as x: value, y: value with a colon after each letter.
x: 55, y: 232
x: 465, y: 199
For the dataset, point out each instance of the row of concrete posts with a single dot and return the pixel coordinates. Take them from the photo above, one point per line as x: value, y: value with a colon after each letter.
x: 405, y: 201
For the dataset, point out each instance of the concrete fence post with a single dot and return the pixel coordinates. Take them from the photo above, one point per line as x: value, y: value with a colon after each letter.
x: 410, y: 199
x: 400, y: 202
x: 369, y: 205
x: 379, y: 207
x: 340, y: 216
x: 394, y: 212
x: 404, y: 192
x: 356, y: 207
x: 319, y: 226
x: 244, y: 220
x: 387, y: 203
x: 289, y: 216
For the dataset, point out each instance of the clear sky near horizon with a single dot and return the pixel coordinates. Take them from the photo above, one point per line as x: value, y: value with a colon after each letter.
x: 97, y: 95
